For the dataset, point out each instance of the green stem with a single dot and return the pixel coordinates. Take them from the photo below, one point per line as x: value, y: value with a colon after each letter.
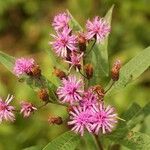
x: 110, y: 86
x: 91, y: 48
x: 98, y: 142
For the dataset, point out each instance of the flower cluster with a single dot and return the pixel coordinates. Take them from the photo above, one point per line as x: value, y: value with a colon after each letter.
x: 88, y: 110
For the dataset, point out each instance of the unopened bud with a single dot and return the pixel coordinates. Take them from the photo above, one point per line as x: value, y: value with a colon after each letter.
x: 35, y: 71
x: 59, y: 73
x: 82, y: 41
x: 43, y: 95
x: 69, y: 108
x: 55, y: 120
x: 88, y: 70
x: 99, y: 91
x: 115, y: 70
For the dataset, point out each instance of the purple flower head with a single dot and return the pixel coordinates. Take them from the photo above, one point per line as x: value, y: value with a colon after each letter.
x: 6, y: 111
x: 104, y: 118
x: 23, y: 65
x: 80, y: 119
x: 71, y: 90
x: 75, y: 60
x: 27, y: 108
x: 98, y: 29
x: 89, y: 99
x: 61, y: 21
x: 64, y: 41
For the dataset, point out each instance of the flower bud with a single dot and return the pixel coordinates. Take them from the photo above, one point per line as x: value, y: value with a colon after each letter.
x: 59, y: 73
x: 43, y: 95
x: 82, y: 42
x: 99, y: 91
x: 69, y: 108
x: 88, y: 70
x: 115, y: 70
x: 55, y: 120
x: 35, y: 71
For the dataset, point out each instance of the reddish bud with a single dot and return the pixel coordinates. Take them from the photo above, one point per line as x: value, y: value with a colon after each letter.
x: 88, y: 70
x: 43, y: 95
x: 99, y: 91
x: 55, y: 120
x: 115, y: 70
x: 82, y: 41
x: 69, y: 108
x: 35, y: 71
x: 59, y: 73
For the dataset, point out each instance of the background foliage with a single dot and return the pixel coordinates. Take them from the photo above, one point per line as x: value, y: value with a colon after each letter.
x: 24, y: 30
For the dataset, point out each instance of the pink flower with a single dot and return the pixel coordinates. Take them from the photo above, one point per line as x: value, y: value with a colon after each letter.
x: 6, y: 111
x: 61, y: 21
x: 64, y: 42
x: 98, y: 29
x: 89, y: 99
x: 22, y: 66
x: 71, y: 90
x: 27, y: 108
x: 80, y: 119
x: 104, y: 118
x: 75, y: 60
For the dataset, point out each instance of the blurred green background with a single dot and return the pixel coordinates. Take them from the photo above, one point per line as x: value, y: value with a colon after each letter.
x: 25, y: 26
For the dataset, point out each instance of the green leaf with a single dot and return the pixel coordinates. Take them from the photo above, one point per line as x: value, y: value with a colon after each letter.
x: 90, y: 142
x: 99, y: 56
x: 74, y: 24
x: 7, y: 61
x: 67, y: 141
x: 133, y: 140
x: 34, y: 83
x: 123, y: 134
x: 132, y: 70
x: 32, y: 148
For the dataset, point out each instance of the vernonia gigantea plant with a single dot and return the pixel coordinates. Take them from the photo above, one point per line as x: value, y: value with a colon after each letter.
x: 81, y: 65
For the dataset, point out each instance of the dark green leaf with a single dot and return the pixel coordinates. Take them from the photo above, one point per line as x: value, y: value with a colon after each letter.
x: 67, y: 141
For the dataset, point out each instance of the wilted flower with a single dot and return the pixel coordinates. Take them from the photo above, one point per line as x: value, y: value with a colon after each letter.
x: 23, y: 65
x: 27, y: 108
x: 104, y: 118
x: 6, y: 111
x: 98, y: 29
x: 80, y: 119
x: 71, y: 90
x: 61, y: 21
x: 64, y: 41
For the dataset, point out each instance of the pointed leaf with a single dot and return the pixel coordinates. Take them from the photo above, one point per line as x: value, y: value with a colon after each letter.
x: 74, y: 24
x: 67, y: 141
x: 132, y: 70
x: 7, y: 61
